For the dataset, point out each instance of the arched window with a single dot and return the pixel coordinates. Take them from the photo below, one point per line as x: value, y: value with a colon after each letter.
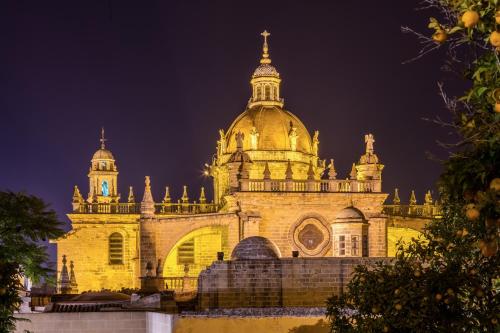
x: 268, y: 93
x: 275, y: 93
x: 259, y: 93
x: 115, y: 249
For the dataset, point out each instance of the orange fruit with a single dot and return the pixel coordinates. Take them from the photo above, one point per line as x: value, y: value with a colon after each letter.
x: 497, y: 107
x: 398, y: 307
x: 497, y: 17
x: 495, y: 183
x: 495, y: 39
x: 440, y: 36
x: 471, y: 212
x: 438, y: 297
x: 470, y: 18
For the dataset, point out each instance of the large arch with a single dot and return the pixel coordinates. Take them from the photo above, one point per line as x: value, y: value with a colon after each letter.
x: 197, y: 249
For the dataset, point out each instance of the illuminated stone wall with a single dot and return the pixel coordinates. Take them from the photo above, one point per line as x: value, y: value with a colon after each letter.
x: 278, y: 213
x: 88, y: 247
x: 287, y: 282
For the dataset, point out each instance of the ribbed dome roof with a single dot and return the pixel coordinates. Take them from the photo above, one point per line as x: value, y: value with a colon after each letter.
x: 350, y: 213
x: 255, y: 247
x: 103, y: 154
x: 273, y: 125
x: 266, y: 70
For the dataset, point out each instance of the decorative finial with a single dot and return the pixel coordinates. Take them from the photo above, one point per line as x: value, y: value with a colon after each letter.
x: 354, y: 172
x: 332, y: 174
x: 185, y: 197
x: 203, y: 199
x: 147, y: 204
x: 396, y: 200
x: 166, y: 198
x: 413, y: 199
x: 289, y: 172
x: 267, y: 172
x: 265, y: 49
x: 131, y: 196
x: 103, y: 140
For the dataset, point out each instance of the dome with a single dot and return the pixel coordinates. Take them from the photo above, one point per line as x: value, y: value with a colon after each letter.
x: 350, y: 213
x: 255, y: 247
x: 265, y: 70
x: 273, y: 125
x: 103, y: 154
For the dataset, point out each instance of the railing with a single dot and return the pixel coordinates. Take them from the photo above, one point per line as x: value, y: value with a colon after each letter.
x: 181, y: 283
x: 135, y: 208
x: 185, y: 208
x: 108, y: 208
x: 324, y: 185
x: 423, y: 211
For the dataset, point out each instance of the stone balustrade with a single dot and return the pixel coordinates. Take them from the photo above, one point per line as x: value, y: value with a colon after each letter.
x: 423, y: 211
x: 135, y: 208
x: 324, y: 185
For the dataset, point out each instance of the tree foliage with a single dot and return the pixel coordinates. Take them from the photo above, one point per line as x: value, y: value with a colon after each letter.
x: 25, y: 222
x: 449, y: 283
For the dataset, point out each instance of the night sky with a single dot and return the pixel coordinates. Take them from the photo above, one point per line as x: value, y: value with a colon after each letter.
x: 162, y: 78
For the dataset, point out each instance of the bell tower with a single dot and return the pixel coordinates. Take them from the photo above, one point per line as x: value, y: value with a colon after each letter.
x: 103, y: 176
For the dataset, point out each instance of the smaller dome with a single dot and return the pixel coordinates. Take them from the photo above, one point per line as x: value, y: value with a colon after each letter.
x: 350, y: 213
x: 255, y: 247
x: 265, y: 70
x: 103, y: 154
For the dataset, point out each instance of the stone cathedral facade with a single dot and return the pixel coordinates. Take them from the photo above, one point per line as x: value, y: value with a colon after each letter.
x: 268, y: 180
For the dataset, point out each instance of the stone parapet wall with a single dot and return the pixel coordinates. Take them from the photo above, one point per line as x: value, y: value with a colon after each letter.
x: 96, y: 322
x: 152, y: 322
x: 288, y: 282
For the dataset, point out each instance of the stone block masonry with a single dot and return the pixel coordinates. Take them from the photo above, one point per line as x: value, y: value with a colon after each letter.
x: 287, y: 282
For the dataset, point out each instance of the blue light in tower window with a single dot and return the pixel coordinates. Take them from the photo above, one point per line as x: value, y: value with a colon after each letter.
x: 105, y: 188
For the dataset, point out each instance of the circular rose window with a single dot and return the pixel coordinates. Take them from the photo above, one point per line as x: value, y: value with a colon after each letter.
x: 311, y: 235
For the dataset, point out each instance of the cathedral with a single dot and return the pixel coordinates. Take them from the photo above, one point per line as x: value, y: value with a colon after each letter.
x: 268, y: 181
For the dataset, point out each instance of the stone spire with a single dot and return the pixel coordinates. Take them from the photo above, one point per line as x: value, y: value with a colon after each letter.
x: 396, y: 200
x: 147, y: 204
x: 166, y: 198
x: 332, y: 174
x: 77, y: 198
x: 413, y: 199
x: 64, y: 282
x: 185, y: 198
x: 203, y: 199
x: 267, y: 172
x: 72, y: 278
x: 131, y: 197
x: 354, y: 172
x: 289, y: 172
